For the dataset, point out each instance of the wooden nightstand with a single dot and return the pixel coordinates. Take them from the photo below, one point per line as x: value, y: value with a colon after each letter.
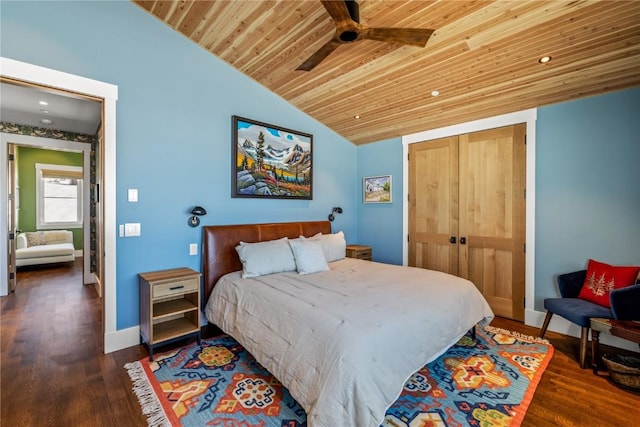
x: 169, y: 306
x: 359, y: 252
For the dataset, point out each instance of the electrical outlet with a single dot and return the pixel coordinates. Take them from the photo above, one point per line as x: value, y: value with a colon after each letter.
x: 193, y: 249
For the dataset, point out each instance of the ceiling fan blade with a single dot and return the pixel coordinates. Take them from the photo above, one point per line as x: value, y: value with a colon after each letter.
x: 410, y: 36
x: 320, y: 54
x: 338, y: 11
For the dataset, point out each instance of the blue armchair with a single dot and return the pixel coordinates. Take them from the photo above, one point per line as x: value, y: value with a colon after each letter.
x: 625, y: 305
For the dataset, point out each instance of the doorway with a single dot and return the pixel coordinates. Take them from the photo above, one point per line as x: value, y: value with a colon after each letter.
x: 48, y: 127
x: 467, y: 212
x: 47, y: 79
x: 47, y: 191
x: 525, y: 116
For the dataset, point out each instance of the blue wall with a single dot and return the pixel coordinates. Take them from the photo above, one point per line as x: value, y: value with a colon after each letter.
x: 380, y: 224
x: 173, y: 129
x: 587, y: 188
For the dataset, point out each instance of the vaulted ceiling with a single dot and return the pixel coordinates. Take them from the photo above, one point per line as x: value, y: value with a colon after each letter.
x: 482, y: 57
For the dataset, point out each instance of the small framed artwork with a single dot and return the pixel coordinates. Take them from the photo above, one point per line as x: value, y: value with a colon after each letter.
x: 376, y: 189
x: 270, y: 162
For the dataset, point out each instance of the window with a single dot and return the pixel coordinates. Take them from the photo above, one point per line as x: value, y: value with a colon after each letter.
x: 58, y: 196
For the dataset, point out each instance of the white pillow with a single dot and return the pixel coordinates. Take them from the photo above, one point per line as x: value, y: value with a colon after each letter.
x: 333, y: 245
x: 258, y: 259
x: 309, y: 256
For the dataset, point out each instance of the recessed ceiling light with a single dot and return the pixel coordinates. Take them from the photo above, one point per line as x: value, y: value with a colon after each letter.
x: 357, y: 116
x: 46, y: 121
x: 435, y: 93
x: 43, y: 103
x: 44, y: 111
x: 544, y: 59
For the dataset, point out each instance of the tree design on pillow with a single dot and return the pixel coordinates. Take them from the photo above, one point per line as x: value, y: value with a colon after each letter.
x: 599, y: 286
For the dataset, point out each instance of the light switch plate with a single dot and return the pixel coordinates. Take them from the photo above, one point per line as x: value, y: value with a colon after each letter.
x: 132, y: 229
x: 193, y: 249
x: 132, y: 195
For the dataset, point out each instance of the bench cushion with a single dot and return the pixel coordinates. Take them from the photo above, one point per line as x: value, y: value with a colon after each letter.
x: 577, y: 310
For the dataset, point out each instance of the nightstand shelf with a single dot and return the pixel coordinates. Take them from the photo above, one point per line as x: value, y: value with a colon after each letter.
x: 171, y: 329
x: 169, y: 306
x: 359, y: 252
x: 172, y: 307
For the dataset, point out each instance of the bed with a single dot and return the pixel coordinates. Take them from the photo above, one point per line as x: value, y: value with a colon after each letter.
x: 342, y: 341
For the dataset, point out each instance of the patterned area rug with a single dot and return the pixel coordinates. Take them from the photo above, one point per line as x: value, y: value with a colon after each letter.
x: 486, y: 381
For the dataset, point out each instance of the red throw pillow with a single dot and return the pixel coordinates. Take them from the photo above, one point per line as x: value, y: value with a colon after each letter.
x: 603, y: 278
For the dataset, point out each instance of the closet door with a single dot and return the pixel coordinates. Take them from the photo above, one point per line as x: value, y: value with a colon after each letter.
x: 492, y: 216
x: 433, y: 205
x: 467, y: 212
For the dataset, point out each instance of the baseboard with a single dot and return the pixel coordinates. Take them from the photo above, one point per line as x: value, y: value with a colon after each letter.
x: 98, y: 286
x: 78, y: 253
x: 114, y: 341
x: 89, y: 279
x: 562, y: 326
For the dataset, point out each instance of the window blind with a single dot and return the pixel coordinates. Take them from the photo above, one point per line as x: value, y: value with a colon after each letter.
x: 53, y: 173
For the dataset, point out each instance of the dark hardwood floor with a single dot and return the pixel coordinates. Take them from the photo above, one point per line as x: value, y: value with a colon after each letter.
x: 53, y: 372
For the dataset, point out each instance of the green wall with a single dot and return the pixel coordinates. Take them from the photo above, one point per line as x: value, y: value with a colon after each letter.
x: 27, y: 158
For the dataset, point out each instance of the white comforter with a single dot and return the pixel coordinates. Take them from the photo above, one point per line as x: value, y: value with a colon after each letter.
x: 344, y: 341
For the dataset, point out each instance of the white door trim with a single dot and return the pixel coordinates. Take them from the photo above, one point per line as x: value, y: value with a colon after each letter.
x: 526, y: 116
x: 109, y: 93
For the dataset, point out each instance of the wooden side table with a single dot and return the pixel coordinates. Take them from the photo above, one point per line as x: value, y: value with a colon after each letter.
x: 169, y: 306
x: 359, y: 252
x: 625, y: 329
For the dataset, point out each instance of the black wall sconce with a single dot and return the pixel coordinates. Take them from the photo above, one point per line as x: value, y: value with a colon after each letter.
x: 197, y: 211
x: 334, y: 211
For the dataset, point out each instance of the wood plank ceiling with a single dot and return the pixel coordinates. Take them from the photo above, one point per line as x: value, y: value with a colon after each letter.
x: 482, y: 57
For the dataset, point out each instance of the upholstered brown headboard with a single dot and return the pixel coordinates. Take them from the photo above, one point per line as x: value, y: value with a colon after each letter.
x: 219, y: 242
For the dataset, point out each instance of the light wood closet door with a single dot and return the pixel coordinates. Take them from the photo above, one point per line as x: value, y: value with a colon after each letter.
x: 467, y: 212
x: 433, y: 205
x: 492, y: 216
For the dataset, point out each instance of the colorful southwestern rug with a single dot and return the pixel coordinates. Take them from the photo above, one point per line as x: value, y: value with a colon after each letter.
x: 486, y: 381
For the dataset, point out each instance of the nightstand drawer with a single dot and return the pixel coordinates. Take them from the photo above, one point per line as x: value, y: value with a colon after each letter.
x: 363, y: 255
x: 175, y: 287
x: 359, y: 252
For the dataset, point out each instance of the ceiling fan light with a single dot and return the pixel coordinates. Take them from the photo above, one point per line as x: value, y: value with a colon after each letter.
x: 348, y: 36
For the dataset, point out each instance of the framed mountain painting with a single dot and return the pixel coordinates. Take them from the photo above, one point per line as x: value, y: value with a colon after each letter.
x: 271, y: 162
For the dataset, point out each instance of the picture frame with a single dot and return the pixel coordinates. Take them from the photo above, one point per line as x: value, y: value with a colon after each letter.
x: 376, y: 189
x: 270, y: 162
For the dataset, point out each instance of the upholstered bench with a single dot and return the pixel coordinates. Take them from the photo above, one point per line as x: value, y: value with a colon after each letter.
x: 625, y: 305
x: 44, y: 247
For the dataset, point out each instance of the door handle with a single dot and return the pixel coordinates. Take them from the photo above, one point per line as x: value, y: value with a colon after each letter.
x: 452, y: 240
x: 463, y: 240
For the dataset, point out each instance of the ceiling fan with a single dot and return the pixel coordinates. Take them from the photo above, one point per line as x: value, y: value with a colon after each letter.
x: 346, y: 16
